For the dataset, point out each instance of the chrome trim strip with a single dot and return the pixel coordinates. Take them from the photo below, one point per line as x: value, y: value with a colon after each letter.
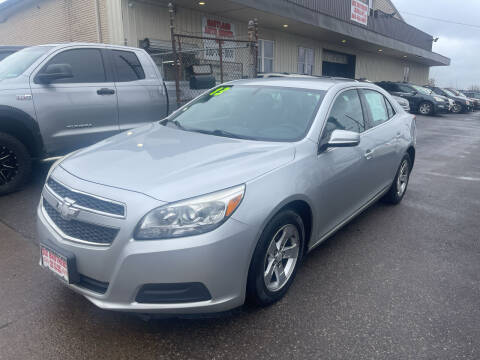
x: 91, y: 195
x: 348, y: 219
x: 65, y: 236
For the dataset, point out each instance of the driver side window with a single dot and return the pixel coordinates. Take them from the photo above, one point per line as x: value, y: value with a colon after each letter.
x: 346, y: 114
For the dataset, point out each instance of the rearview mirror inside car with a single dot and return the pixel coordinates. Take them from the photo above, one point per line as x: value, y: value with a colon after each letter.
x: 54, y: 72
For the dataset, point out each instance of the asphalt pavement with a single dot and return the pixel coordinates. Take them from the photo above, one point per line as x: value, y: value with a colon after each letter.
x: 396, y: 283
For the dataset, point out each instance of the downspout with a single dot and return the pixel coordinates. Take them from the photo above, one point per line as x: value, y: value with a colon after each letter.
x: 99, y: 22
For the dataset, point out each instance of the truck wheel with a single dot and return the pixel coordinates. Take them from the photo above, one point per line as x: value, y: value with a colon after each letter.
x: 15, y: 164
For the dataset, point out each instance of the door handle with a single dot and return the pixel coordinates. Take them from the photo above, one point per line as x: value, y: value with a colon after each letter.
x: 368, y: 154
x: 105, y: 91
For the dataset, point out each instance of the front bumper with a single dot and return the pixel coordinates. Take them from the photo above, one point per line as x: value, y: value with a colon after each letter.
x: 219, y: 260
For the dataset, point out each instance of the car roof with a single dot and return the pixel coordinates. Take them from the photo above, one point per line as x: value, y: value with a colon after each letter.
x: 313, y: 83
x: 97, y: 45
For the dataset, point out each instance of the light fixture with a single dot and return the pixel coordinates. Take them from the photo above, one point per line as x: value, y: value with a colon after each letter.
x: 405, y: 56
x: 344, y: 41
x: 201, y: 3
x: 380, y: 50
x: 285, y: 25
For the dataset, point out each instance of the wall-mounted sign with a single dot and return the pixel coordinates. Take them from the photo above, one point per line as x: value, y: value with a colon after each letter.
x: 360, y: 9
x: 223, y: 30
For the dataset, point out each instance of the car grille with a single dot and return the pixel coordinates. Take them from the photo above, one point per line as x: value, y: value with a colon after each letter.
x: 85, y: 200
x: 80, y: 230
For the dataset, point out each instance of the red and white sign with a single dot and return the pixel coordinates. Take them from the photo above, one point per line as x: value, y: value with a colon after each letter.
x: 360, y: 9
x: 212, y: 28
x: 54, y: 262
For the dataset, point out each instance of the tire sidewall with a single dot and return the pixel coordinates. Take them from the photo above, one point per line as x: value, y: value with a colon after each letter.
x: 395, y: 181
x: 256, y: 288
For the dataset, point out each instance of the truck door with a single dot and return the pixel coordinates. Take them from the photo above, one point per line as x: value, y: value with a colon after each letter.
x: 141, y: 94
x: 78, y: 111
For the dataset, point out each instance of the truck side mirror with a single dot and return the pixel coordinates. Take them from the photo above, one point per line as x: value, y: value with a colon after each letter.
x: 54, y: 72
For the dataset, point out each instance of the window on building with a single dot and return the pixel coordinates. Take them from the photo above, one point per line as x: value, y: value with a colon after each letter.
x: 265, y: 55
x: 376, y: 106
x: 128, y: 66
x: 346, y: 114
x: 87, y: 66
x: 305, y: 61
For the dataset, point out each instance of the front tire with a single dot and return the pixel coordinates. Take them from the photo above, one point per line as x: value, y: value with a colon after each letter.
x: 426, y: 108
x: 276, y: 258
x: 400, y: 183
x: 15, y: 164
x: 457, y: 108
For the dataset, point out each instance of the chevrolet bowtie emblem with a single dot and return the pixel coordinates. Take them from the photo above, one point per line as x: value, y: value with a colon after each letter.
x: 66, y: 209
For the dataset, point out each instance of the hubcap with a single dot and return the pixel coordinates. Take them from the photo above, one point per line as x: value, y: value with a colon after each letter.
x: 281, y: 258
x: 425, y: 108
x: 8, y: 165
x: 456, y: 108
x: 402, y: 180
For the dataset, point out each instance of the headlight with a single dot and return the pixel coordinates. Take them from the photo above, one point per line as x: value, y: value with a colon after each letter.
x: 190, y: 217
x: 439, y: 99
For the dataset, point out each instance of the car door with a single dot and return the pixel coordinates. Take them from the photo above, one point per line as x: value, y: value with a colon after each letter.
x: 140, y: 91
x: 78, y: 111
x: 380, y: 141
x: 342, y: 181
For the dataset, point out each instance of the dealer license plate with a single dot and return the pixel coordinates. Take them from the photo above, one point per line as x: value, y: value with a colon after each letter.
x: 55, y: 262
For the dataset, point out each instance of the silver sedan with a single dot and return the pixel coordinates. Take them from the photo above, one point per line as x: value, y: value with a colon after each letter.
x: 221, y: 201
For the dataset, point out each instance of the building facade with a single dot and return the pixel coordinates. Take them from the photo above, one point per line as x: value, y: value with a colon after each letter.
x: 351, y: 38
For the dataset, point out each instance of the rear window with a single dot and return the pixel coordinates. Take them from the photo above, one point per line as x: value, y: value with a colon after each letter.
x: 128, y: 66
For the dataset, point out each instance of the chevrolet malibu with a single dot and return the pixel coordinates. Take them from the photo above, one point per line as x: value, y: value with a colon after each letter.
x: 221, y: 201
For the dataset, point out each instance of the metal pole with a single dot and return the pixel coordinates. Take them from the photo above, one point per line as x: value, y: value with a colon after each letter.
x: 220, y: 53
x: 255, y: 29
x: 171, y: 11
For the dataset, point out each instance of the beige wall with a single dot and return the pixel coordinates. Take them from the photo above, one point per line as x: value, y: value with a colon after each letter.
x: 151, y: 20
x: 50, y: 21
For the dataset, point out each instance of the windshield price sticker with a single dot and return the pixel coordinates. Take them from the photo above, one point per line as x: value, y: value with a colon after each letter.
x: 219, y: 91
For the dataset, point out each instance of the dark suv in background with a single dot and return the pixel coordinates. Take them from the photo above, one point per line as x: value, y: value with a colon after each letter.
x: 8, y: 50
x: 462, y: 104
x: 421, y: 100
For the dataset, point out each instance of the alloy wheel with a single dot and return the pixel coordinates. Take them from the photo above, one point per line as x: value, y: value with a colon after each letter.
x: 281, y: 257
x: 8, y: 165
x: 402, y: 180
x: 425, y: 109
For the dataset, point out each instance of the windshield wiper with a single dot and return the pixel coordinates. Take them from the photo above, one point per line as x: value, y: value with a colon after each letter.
x: 223, y: 133
x: 164, y: 122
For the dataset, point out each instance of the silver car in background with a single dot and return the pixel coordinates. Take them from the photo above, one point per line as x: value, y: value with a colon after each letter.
x: 222, y: 200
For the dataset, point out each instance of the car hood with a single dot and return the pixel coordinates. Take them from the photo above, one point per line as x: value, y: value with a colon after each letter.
x: 170, y: 164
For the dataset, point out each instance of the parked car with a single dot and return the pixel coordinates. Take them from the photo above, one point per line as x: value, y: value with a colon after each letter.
x: 461, y: 94
x: 460, y: 103
x: 421, y: 100
x: 475, y: 95
x: 222, y: 200
x: 8, y: 50
x: 58, y: 98
x: 403, y: 102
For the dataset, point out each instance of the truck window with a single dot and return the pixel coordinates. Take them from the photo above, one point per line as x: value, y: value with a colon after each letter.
x: 128, y: 66
x: 87, y: 66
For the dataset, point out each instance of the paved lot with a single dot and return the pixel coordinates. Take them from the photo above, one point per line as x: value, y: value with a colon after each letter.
x: 396, y: 283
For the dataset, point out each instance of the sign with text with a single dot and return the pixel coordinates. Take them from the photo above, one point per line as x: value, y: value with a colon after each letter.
x: 220, y: 30
x: 360, y: 9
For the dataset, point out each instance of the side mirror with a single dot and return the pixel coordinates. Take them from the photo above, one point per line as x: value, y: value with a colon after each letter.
x: 55, y: 72
x: 341, y: 138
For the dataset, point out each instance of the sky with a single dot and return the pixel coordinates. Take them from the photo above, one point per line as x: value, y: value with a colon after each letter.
x: 460, y: 43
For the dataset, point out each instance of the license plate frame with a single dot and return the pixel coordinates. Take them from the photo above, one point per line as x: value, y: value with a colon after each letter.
x: 57, y: 263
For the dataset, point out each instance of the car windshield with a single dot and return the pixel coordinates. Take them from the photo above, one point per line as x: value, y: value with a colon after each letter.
x: 456, y: 93
x: 449, y: 93
x: 266, y: 113
x: 422, y: 90
x: 15, y: 64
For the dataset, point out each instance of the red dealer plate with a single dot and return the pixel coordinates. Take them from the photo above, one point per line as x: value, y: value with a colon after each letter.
x: 54, y: 262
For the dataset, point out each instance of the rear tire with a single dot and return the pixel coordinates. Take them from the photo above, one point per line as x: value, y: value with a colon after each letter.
x: 15, y: 164
x: 400, y: 183
x: 426, y: 108
x: 275, y: 261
